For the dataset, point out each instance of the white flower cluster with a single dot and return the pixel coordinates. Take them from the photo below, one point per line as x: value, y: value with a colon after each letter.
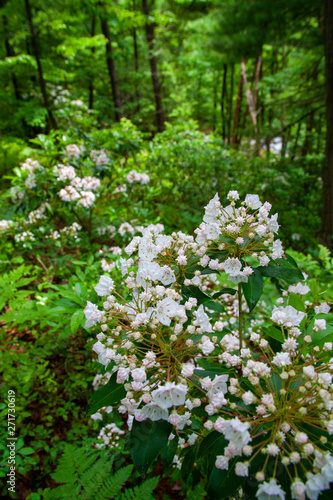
x: 73, y: 150
x: 99, y: 157
x: 67, y: 231
x: 134, y: 176
x: 24, y: 237
x: 17, y: 194
x: 126, y: 227
x: 32, y: 166
x: 36, y: 215
x: 79, y: 189
x: 5, y: 224
x: 109, y: 437
x: 241, y: 232
x: 158, y: 339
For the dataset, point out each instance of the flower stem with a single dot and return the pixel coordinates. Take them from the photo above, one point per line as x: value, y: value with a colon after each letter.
x: 240, y: 317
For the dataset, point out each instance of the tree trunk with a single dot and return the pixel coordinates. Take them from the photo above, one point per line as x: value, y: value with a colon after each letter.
x: 326, y: 231
x: 153, y: 67
x: 230, y: 101
x: 296, y: 141
x: 223, y: 99
x: 306, y: 143
x: 112, y: 70
x: 237, y: 109
x: 10, y: 53
x: 217, y: 79
x: 42, y: 84
x: 249, y: 97
x: 136, y: 63
x: 91, y: 85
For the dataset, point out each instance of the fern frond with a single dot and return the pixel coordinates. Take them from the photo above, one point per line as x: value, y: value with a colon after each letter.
x: 63, y: 492
x: 82, y: 471
x: 142, y: 492
x: 96, y: 477
x: 197, y: 492
x: 325, y: 256
x: 113, y: 485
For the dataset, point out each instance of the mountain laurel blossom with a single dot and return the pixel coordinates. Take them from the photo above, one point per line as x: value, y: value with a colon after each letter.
x: 172, y: 337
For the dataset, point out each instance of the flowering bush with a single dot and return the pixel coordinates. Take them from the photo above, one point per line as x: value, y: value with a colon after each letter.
x: 246, y: 401
x: 64, y: 202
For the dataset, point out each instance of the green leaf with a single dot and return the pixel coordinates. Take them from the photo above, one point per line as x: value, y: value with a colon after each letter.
x: 253, y: 289
x: 194, y: 291
x: 230, y: 291
x: 189, y: 454
x: 322, y: 334
x: 81, y: 292
x: 215, y: 441
x: 216, y: 307
x: 169, y: 451
x: 76, y: 320
x: 146, y: 440
x: 283, y: 269
x: 71, y: 296
x: 224, y: 483
x: 274, y: 333
x: 108, y: 395
x: 68, y: 304
x: 27, y: 451
x: 296, y: 301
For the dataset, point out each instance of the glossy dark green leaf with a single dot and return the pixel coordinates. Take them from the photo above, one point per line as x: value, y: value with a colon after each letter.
x: 285, y: 269
x: 214, y: 442
x: 108, y: 395
x: 168, y: 452
x: 253, y: 289
x: 146, y: 441
x: 194, y: 291
x: 224, y: 483
x: 189, y: 454
x: 230, y: 291
x: 274, y: 333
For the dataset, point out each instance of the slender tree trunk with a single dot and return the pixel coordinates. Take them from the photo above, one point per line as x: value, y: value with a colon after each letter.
x: 35, y: 48
x: 136, y: 63
x: 150, y: 35
x: 249, y: 98
x: 91, y: 85
x: 10, y: 53
x: 237, y: 109
x: 230, y: 110
x: 296, y: 141
x: 112, y: 69
x: 217, y: 80
x: 223, y: 99
x: 327, y: 211
x: 256, y: 80
x: 306, y: 143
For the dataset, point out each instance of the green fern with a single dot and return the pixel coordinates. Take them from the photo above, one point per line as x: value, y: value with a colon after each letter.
x: 197, y: 492
x: 88, y: 476
x: 325, y: 257
x: 10, y: 282
x: 142, y: 492
x: 113, y: 485
x: 83, y: 472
